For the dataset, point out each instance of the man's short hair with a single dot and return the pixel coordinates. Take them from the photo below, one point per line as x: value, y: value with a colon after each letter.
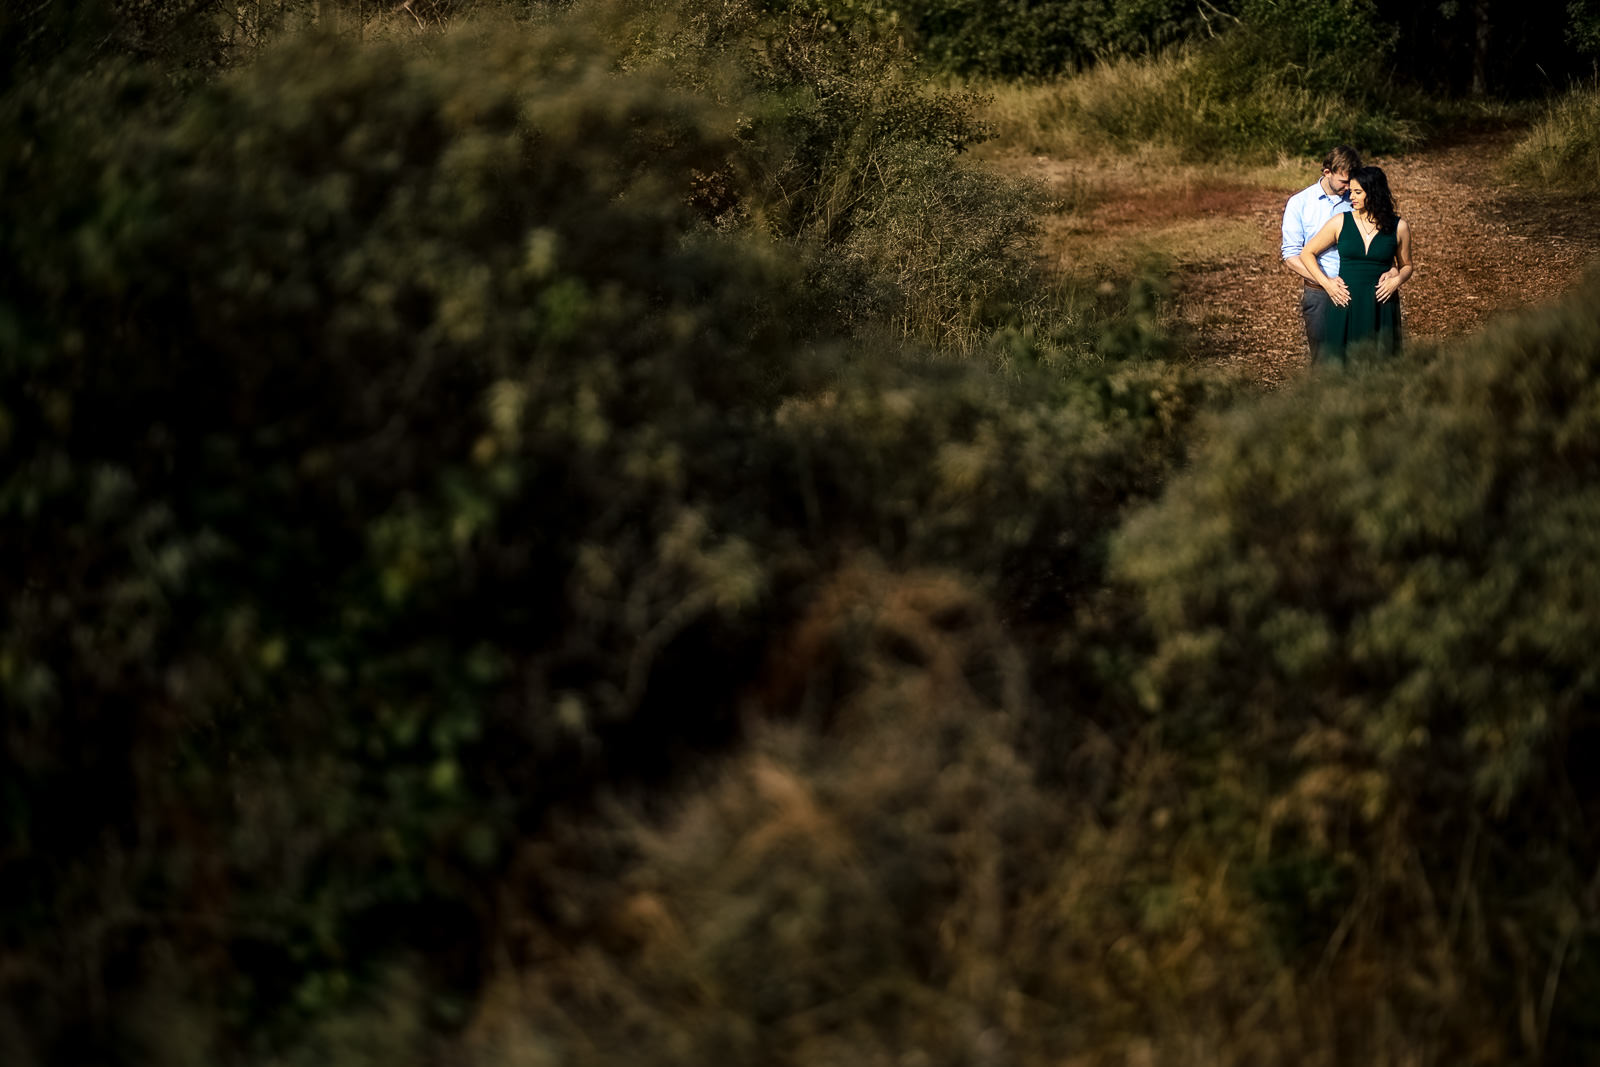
x: 1343, y: 158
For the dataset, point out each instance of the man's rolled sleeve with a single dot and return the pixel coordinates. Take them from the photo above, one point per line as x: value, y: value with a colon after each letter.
x: 1294, y: 230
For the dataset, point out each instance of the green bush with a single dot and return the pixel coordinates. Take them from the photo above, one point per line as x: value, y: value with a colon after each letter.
x: 362, y: 337
x: 399, y: 453
x: 1340, y: 47
x: 1369, y: 598
x: 849, y: 155
x: 1299, y: 78
x: 981, y: 37
x: 848, y: 152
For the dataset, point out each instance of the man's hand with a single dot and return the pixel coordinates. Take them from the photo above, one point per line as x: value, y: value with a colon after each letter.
x: 1389, y: 284
x: 1338, y: 291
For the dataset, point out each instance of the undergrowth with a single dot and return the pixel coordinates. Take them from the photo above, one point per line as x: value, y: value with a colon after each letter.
x: 588, y: 541
x: 1192, y: 103
x: 1562, y: 150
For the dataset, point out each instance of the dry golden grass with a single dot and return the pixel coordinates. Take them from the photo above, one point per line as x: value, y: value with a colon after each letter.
x: 1088, y: 112
x: 1190, y: 105
x: 1114, y: 215
x: 1562, y: 150
x: 1084, y: 251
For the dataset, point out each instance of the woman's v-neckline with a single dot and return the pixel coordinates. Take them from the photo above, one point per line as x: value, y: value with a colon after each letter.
x: 1366, y: 245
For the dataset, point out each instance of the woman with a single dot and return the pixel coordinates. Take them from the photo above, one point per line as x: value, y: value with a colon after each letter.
x: 1371, y: 239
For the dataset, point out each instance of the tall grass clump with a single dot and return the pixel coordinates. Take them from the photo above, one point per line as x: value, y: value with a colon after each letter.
x: 1119, y: 105
x: 1279, y: 80
x: 1562, y: 150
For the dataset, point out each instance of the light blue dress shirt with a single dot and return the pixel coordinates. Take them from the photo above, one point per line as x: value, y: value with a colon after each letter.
x: 1306, y: 213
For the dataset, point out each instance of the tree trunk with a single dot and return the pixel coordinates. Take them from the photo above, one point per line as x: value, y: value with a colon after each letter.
x: 1480, y: 48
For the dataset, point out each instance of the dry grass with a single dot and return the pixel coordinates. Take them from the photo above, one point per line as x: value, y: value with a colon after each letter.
x: 1189, y: 105
x: 1110, y: 215
x: 1562, y: 150
x: 1093, y: 111
x: 1084, y: 250
x: 1116, y: 208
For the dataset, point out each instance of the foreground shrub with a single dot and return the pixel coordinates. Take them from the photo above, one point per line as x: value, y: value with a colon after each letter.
x: 1369, y: 601
x: 400, y: 454
x: 885, y: 881
x: 362, y: 338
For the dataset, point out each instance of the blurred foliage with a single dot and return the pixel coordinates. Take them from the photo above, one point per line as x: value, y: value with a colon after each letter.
x: 884, y: 883
x: 1583, y: 29
x: 1335, y: 812
x: 190, y: 42
x: 1032, y: 39
x: 585, y: 539
x: 361, y: 338
x: 400, y: 448
x: 1370, y: 598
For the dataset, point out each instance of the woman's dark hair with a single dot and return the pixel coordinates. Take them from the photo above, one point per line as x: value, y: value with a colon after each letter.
x: 1380, y: 202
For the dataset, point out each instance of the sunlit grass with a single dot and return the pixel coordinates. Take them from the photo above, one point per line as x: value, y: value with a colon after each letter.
x: 1093, y: 111
x: 1563, y: 148
x: 1160, y: 246
x: 1184, y: 106
x: 1111, y: 215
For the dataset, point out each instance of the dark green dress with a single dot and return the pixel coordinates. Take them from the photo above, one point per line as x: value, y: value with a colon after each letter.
x: 1364, y: 320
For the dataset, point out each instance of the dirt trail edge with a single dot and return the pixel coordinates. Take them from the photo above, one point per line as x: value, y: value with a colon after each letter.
x: 1480, y: 247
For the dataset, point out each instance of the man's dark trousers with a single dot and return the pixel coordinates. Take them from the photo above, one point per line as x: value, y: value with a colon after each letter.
x: 1314, y: 305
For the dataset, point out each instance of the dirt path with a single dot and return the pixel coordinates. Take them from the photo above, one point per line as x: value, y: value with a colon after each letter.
x: 1480, y: 247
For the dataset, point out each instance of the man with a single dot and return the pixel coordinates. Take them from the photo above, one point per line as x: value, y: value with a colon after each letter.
x: 1306, y: 213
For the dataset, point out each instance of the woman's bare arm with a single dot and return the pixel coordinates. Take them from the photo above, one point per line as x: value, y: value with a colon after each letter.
x: 1390, y: 283
x: 1320, y: 242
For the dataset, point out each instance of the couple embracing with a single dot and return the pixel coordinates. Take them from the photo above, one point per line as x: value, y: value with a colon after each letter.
x: 1352, y: 251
